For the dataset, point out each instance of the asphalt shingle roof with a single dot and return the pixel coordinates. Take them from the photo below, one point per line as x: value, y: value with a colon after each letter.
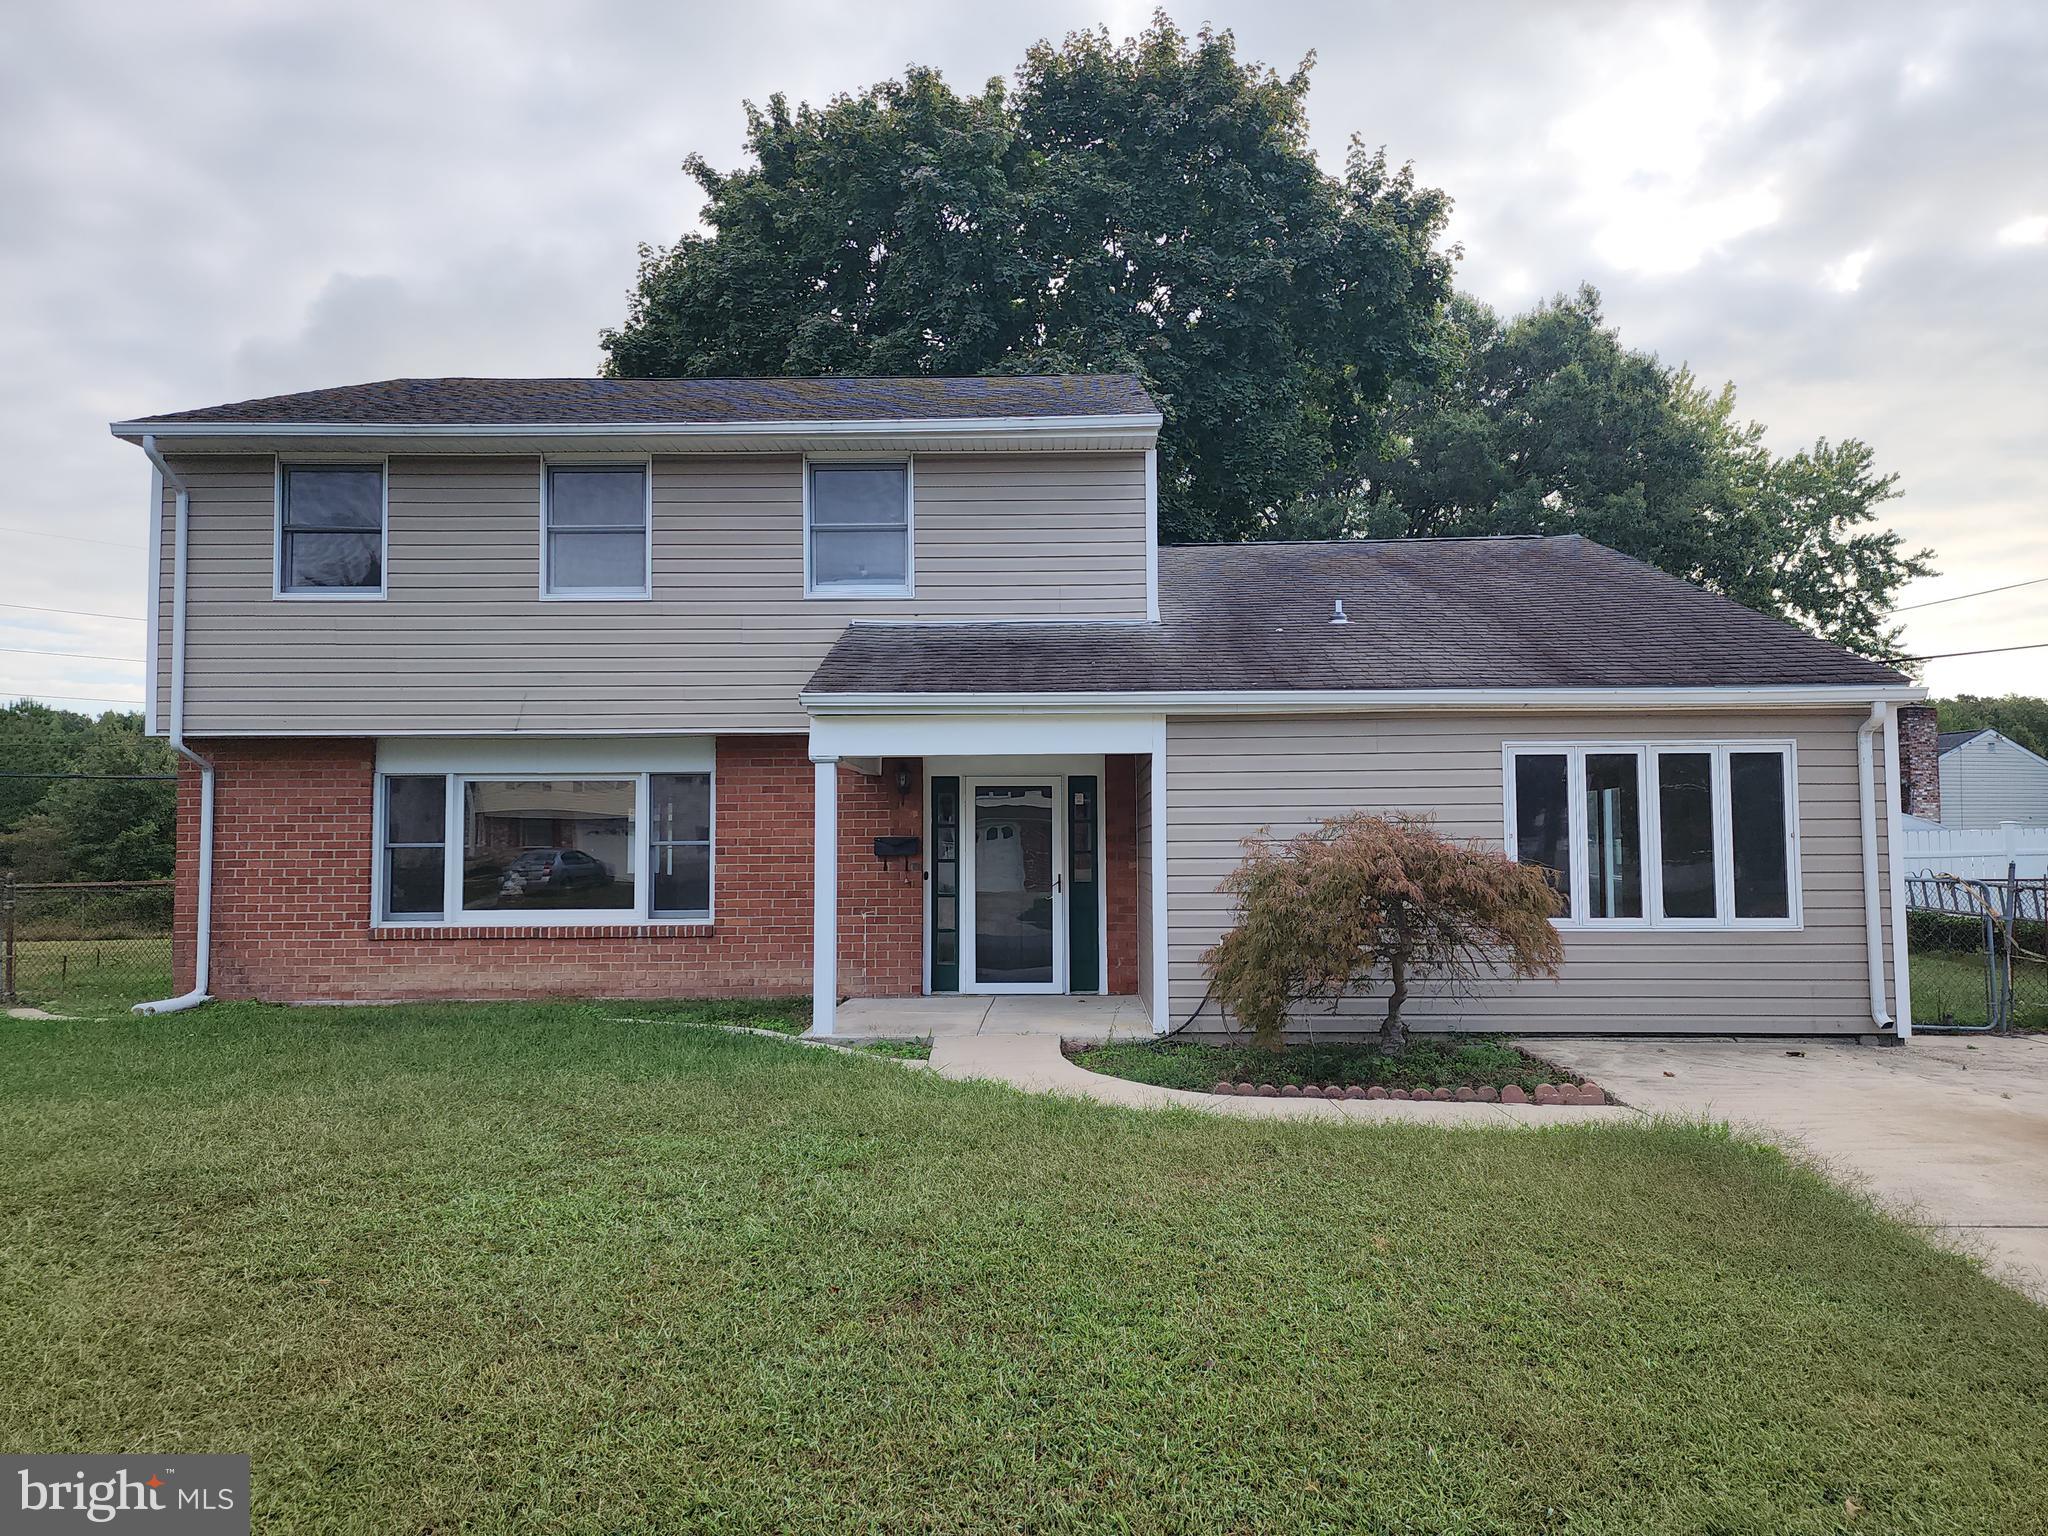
x: 524, y: 402
x: 1948, y: 740
x: 1425, y: 614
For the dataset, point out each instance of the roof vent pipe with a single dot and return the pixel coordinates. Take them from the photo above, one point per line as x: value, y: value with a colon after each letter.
x: 1337, y: 615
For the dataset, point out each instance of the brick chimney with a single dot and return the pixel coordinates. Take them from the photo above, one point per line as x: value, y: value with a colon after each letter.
x: 1919, y: 761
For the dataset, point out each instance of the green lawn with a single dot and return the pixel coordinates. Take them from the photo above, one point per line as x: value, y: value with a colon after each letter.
x: 526, y: 1268
x: 91, y: 976
x: 1949, y: 987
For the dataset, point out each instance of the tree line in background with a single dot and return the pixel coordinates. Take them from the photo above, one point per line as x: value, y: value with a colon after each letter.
x: 1153, y: 206
x: 102, y: 828
x: 2016, y: 717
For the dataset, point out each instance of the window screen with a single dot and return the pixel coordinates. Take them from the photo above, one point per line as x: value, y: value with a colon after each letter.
x: 597, y: 530
x: 332, y: 535
x: 860, y: 526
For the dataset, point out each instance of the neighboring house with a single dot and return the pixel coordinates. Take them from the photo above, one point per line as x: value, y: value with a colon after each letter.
x: 1988, y: 778
x: 883, y: 687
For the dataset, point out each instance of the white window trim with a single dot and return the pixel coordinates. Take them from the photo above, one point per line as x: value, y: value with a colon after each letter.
x: 278, y: 591
x: 1646, y: 754
x: 453, y: 915
x: 909, y: 585
x: 640, y: 594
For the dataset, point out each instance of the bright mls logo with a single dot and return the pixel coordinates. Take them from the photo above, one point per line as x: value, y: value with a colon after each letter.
x: 172, y: 1496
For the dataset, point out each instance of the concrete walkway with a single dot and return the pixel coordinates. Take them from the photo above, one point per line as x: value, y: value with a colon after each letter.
x: 1075, y: 1016
x: 1950, y: 1132
x: 1035, y: 1062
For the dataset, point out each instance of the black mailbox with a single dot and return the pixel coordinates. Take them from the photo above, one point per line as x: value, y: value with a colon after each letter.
x: 887, y: 848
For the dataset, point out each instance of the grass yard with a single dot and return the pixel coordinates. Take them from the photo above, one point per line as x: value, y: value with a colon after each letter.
x: 1198, y: 1065
x: 91, y: 976
x: 1949, y: 988
x: 532, y: 1268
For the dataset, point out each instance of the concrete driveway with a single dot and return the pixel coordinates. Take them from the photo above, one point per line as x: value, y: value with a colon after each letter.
x: 1951, y: 1132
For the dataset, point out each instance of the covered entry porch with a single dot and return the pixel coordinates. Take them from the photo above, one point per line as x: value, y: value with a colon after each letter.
x: 1037, y: 863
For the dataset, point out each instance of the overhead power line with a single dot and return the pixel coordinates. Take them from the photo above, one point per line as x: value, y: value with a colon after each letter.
x: 29, y: 650
x: 83, y: 613
x: 1996, y: 650
x: 1936, y: 602
x: 69, y: 538
x: 35, y: 696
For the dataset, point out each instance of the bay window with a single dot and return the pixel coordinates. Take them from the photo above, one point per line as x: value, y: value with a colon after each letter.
x: 1657, y: 835
x: 528, y: 847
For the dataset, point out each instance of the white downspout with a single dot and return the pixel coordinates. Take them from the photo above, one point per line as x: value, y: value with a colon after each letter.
x: 1873, y: 916
x: 203, y: 934
x: 1895, y: 782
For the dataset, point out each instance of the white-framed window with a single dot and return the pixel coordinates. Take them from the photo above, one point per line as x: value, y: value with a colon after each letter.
x: 333, y: 529
x: 1659, y: 834
x: 858, y: 528
x: 597, y: 530
x: 522, y: 846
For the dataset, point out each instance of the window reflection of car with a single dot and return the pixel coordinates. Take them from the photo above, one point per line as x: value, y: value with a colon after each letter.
x: 552, y: 869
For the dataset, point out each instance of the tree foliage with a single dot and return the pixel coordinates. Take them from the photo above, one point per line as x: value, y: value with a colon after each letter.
x: 87, y: 828
x: 1148, y: 206
x: 1547, y: 424
x: 1324, y: 915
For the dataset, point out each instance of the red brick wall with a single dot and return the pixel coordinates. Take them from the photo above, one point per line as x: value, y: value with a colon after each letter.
x: 293, y: 861
x: 1120, y: 869
x: 292, y: 890
x: 1920, y: 761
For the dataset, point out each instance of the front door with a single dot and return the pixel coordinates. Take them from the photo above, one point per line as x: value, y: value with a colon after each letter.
x: 1013, y: 877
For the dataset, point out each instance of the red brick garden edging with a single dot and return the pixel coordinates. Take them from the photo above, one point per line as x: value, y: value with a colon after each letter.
x: 1546, y: 1093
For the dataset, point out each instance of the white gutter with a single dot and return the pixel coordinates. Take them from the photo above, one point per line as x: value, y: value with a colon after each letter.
x: 1309, y: 701
x: 960, y: 426
x: 203, y: 936
x: 1873, y: 917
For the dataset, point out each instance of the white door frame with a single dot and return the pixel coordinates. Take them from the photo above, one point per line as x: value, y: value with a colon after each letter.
x: 970, y: 846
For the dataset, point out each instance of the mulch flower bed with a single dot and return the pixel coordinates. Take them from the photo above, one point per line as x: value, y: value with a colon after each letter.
x: 1546, y: 1093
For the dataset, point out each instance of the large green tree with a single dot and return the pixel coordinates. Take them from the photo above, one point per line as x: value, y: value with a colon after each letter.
x: 107, y: 823
x: 1548, y: 424
x: 1149, y: 206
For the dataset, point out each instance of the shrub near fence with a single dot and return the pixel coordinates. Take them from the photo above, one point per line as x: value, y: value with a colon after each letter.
x: 90, y: 944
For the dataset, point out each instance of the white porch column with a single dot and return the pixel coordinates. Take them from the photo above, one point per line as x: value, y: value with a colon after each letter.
x: 1162, y: 999
x: 825, y: 895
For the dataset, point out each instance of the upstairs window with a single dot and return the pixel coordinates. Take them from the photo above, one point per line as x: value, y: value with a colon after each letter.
x: 595, y: 539
x: 1659, y: 836
x: 330, y: 540
x: 857, y: 520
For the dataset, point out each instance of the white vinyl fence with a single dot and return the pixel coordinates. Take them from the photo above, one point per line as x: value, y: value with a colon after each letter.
x: 1974, y: 853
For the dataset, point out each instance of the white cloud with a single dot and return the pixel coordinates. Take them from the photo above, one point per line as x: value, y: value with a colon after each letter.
x: 2031, y: 230
x: 1846, y: 275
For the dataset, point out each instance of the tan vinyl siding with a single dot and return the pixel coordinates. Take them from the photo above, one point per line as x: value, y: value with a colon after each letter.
x: 463, y: 641
x: 1229, y: 778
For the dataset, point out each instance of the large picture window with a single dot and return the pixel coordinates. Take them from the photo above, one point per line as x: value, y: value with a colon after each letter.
x: 596, y: 535
x: 858, y: 531
x: 330, y: 535
x: 1659, y: 835
x: 583, y: 847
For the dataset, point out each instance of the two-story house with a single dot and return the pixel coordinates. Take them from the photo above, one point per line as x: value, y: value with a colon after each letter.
x: 879, y: 688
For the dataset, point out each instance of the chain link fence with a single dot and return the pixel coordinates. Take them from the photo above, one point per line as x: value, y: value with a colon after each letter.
x: 86, y: 945
x: 1979, y: 952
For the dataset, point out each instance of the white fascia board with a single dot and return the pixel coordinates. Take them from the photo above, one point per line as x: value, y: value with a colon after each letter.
x: 1329, y: 701
x: 976, y: 426
x: 982, y: 735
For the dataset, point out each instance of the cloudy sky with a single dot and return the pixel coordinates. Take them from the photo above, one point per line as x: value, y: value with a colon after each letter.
x: 1842, y: 207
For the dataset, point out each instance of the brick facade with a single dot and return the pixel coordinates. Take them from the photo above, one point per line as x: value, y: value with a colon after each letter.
x: 294, y: 860
x: 1920, y: 761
